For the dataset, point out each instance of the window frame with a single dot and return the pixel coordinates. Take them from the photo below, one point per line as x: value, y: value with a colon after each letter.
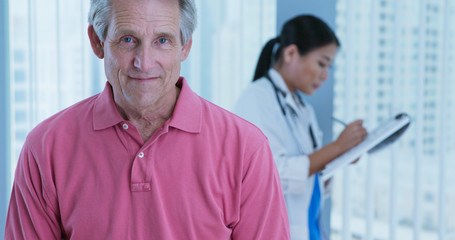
x: 5, y: 119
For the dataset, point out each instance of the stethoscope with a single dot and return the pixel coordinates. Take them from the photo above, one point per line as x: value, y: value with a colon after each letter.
x: 279, y: 91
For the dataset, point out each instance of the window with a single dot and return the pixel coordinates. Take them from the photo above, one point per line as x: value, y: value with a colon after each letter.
x: 413, y: 197
x: 51, y: 62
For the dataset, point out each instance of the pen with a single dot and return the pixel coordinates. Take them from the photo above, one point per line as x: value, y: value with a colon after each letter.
x: 338, y: 120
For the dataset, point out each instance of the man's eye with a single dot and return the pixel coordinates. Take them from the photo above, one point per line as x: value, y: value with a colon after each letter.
x: 162, y: 40
x: 127, y: 39
x: 321, y: 64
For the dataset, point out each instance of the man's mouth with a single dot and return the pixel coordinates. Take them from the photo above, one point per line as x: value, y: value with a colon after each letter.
x: 151, y: 78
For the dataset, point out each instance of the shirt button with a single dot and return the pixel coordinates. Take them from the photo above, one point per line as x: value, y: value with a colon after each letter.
x: 125, y: 126
x: 141, y: 155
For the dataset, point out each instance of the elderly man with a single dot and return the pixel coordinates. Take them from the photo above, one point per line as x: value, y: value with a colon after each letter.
x: 146, y: 158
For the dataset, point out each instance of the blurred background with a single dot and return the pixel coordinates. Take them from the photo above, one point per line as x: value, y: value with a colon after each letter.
x: 396, y: 56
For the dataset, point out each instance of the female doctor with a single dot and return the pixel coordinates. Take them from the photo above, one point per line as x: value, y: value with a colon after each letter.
x: 297, y: 62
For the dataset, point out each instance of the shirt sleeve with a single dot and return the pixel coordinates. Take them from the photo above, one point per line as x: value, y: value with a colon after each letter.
x: 263, y: 213
x: 30, y: 214
x: 260, y: 108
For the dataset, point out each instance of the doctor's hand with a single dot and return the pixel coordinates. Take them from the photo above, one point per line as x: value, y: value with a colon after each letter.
x: 352, y: 135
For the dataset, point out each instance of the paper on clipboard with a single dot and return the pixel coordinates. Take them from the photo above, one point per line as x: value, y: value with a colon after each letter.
x: 380, y: 137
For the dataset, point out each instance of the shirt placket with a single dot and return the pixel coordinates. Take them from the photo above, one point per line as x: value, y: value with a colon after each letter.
x: 141, y: 161
x: 142, y: 168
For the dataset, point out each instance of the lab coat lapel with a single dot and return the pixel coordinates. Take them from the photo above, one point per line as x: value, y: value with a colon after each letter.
x: 300, y: 124
x: 299, y: 121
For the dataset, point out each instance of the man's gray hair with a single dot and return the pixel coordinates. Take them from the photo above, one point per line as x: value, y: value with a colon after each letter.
x: 100, y: 17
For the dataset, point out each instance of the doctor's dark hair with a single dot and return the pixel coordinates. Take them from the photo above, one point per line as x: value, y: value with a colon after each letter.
x: 307, y: 32
x: 100, y: 17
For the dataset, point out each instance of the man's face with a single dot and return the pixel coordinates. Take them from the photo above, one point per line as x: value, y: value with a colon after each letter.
x: 143, y: 51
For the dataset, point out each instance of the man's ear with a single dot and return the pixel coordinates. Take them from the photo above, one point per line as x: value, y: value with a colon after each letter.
x: 97, y: 44
x: 186, y: 50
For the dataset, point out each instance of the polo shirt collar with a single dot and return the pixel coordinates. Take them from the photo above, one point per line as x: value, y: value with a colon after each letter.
x: 187, y: 114
x: 105, y: 112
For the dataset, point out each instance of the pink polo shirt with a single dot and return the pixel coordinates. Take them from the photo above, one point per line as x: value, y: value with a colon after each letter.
x: 206, y: 174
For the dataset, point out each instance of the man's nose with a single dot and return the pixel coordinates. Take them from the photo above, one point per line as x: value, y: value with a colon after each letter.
x: 144, y: 58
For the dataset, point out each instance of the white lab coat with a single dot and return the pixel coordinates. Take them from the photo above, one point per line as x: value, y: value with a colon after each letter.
x: 290, y: 142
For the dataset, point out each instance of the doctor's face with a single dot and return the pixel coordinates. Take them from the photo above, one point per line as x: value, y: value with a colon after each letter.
x: 308, y: 72
x: 143, y: 51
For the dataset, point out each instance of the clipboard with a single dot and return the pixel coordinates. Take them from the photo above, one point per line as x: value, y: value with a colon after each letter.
x: 385, y: 134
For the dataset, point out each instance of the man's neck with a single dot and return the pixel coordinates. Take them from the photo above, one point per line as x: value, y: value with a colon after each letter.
x: 148, y: 120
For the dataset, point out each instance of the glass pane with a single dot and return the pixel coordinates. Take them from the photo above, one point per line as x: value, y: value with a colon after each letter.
x: 226, y: 46
x: 397, y: 56
x: 52, y: 63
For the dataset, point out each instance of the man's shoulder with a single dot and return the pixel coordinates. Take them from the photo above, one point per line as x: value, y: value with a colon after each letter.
x: 223, y: 119
x: 68, y: 119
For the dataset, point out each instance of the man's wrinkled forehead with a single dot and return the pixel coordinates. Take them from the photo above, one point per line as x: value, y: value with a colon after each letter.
x: 119, y: 5
x: 144, y: 13
x: 146, y: 10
